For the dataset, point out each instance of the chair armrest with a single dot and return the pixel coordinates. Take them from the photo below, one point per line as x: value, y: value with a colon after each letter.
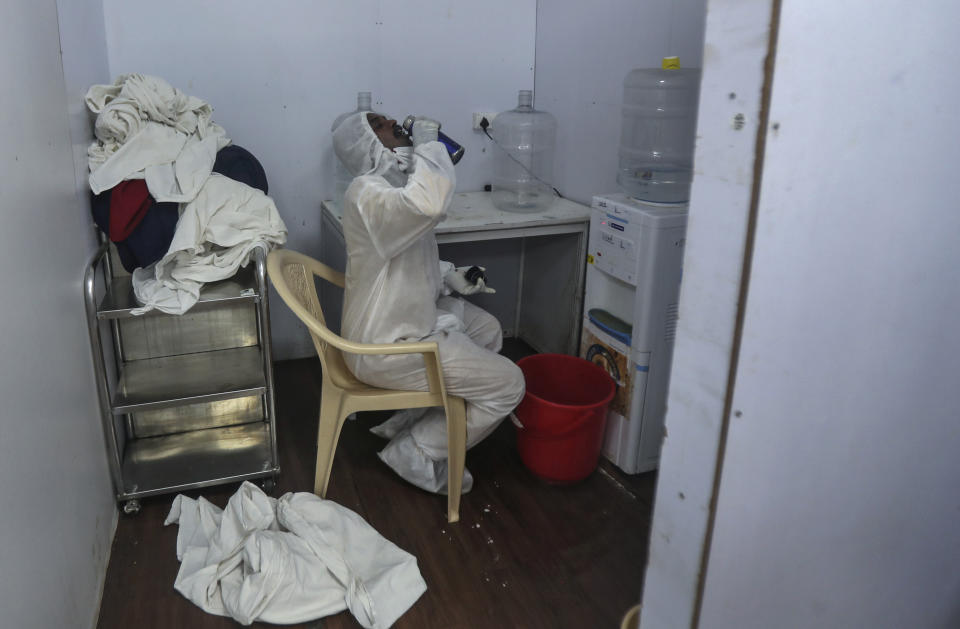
x: 422, y: 347
x: 429, y: 350
x: 352, y: 347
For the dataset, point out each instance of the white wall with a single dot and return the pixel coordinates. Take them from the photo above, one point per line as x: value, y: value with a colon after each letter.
x: 584, y: 51
x: 84, y: 56
x: 277, y: 74
x: 58, y: 512
x: 839, y: 504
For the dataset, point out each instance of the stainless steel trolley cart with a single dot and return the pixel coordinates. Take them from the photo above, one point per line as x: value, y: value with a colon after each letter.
x: 186, y: 400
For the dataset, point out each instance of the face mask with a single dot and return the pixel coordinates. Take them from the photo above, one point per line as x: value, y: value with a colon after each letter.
x: 404, y: 155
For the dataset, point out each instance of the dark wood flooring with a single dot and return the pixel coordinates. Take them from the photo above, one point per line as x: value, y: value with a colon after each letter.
x: 525, y: 553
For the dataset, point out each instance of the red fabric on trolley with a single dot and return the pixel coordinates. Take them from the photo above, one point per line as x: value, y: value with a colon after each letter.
x: 129, y: 202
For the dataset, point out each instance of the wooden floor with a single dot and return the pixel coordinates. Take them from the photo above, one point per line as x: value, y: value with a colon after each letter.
x: 525, y: 553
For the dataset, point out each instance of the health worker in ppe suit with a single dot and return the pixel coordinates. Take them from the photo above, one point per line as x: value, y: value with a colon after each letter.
x: 398, y: 290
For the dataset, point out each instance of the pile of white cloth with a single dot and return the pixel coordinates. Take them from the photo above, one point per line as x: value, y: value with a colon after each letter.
x: 290, y: 560
x: 215, y: 236
x: 147, y: 129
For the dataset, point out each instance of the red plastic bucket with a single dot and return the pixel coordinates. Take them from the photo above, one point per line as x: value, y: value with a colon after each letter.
x: 562, y: 416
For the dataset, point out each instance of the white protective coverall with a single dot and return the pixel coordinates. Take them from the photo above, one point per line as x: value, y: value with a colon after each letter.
x: 395, y: 293
x: 289, y: 561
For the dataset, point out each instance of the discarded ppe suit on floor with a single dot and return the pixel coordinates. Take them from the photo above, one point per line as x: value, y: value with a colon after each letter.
x: 215, y: 236
x: 147, y: 129
x: 289, y: 561
x: 395, y: 292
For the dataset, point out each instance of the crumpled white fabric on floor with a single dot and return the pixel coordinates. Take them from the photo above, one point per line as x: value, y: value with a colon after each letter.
x: 148, y: 129
x: 289, y: 560
x: 214, y: 237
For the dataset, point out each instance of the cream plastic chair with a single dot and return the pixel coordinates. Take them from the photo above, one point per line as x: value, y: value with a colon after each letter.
x: 631, y: 619
x: 292, y: 274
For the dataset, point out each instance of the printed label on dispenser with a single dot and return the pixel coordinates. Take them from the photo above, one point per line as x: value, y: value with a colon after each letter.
x: 602, y: 350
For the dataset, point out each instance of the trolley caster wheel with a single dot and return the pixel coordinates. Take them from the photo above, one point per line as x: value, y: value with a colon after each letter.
x: 269, y: 485
x: 131, y: 507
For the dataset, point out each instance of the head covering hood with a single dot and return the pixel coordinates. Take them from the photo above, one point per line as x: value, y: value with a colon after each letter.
x: 362, y: 152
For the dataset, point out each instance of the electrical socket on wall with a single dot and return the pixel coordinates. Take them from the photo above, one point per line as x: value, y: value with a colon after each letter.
x: 477, y: 117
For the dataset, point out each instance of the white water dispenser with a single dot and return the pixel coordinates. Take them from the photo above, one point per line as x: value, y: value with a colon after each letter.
x: 634, y: 266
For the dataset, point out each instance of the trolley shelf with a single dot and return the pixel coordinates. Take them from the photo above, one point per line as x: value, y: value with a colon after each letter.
x: 185, y: 401
x: 119, y: 299
x: 190, y: 378
x: 197, y: 458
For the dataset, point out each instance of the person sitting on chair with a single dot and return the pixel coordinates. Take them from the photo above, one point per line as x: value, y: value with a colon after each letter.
x: 398, y: 290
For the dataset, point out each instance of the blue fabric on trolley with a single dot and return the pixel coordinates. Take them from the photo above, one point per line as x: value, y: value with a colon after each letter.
x: 240, y: 165
x: 150, y: 240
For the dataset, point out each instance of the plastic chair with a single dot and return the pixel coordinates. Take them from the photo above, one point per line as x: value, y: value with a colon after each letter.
x: 292, y: 274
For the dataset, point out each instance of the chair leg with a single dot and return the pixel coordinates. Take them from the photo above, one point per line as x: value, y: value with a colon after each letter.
x: 328, y: 433
x: 456, y: 454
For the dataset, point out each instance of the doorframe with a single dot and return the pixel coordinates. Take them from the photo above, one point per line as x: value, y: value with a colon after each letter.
x: 739, y: 50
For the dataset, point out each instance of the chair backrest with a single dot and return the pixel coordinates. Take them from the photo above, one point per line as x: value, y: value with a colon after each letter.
x: 292, y: 275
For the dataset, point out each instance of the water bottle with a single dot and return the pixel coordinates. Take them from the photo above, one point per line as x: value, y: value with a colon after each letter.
x: 657, y: 134
x: 523, y: 163
x: 342, y: 176
x: 453, y: 147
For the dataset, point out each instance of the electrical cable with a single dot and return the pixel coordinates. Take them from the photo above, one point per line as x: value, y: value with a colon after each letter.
x: 484, y: 123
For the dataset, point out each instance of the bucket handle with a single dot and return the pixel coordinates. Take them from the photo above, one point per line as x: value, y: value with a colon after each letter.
x: 574, y: 426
